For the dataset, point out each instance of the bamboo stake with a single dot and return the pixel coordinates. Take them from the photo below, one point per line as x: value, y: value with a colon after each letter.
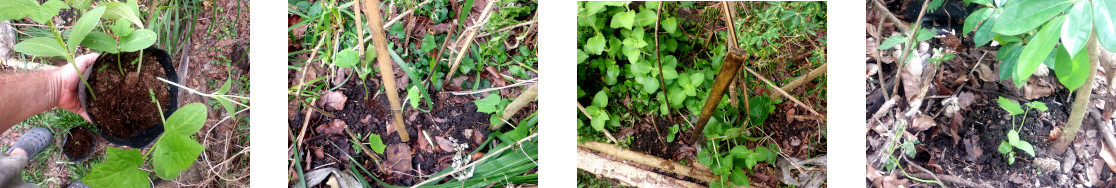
x: 375, y: 22
x: 477, y: 26
x: 729, y: 68
x: 794, y: 84
x: 627, y: 175
x: 650, y: 160
x: 521, y: 101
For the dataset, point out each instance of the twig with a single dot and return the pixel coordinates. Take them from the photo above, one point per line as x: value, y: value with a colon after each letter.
x: 658, y: 59
x: 509, y: 28
x: 401, y: 15
x: 586, y: 113
x: 952, y: 179
x: 821, y: 70
x: 533, y: 80
x: 360, y: 30
x: 910, y: 47
x: 898, y: 24
x: 625, y: 173
x: 526, y: 97
x: 484, y: 16
x: 379, y: 39
x: 486, y: 156
x: 650, y: 160
x: 795, y: 100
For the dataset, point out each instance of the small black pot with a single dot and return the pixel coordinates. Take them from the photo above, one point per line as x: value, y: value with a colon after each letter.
x: 144, y: 137
x: 90, y: 145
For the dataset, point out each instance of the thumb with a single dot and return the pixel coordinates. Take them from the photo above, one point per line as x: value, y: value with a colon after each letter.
x: 84, y: 61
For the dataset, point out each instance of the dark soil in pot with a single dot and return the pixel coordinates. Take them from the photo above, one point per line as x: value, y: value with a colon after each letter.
x: 123, y: 110
x: 79, y: 144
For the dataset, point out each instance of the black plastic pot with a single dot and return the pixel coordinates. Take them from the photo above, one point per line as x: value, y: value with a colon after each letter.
x: 89, y: 145
x: 143, y: 137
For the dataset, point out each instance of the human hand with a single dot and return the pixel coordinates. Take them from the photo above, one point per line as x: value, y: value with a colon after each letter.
x: 67, y: 79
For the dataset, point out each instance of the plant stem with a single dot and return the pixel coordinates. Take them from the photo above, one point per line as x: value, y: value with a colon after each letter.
x: 70, y: 57
x: 1080, y: 102
x: 139, y: 62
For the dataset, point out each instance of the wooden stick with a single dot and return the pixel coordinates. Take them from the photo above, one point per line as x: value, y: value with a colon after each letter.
x: 530, y: 95
x: 729, y: 68
x: 468, y: 40
x: 627, y: 175
x: 375, y: 22
x: 586, y: 113
x: 796, y: 101
x: 798, y: 82
x: 360, y: 30
x: 650, y: 160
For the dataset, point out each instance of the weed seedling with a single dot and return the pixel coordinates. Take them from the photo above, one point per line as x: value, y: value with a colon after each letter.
x: 1014, y: 109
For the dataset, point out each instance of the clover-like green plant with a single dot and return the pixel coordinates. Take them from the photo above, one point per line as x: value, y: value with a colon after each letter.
x: 1013, y: 141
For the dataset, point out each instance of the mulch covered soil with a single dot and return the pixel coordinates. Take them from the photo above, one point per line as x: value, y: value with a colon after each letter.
x: 959, y: 122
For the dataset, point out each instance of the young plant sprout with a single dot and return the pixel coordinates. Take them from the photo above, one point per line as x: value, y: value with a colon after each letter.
x: 1014, y: 109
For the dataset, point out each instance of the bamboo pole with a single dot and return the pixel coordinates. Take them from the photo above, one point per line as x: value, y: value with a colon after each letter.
x: 521, y: 101
x: 650, y: 160
x: 375, y: 22
x: 729, y: 68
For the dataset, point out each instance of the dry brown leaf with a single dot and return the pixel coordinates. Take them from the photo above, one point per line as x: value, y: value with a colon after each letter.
x: 423, y: 145
x: 1108, y: 157
x: 444, y: 144
x: 985, y: 73
x: 922, y: 122
x: 333, y: 99
x: 337, y: 126
x: 399, y: 157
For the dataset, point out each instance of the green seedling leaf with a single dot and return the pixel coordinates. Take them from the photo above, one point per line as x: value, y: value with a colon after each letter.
x: 1026, y: 147
x: 761, y: 107
x: 174, y: 153
x: 673, y: 131
x: 599, y: 120
x: 975, y: 18
x: 909, y: 149
x: 120, y: 169
x: 80, y: 4
x: 138, y: 40
x: 891, y: 42
x: 1071, y: 70
x: 650, y: 84
x: 600, y: 99
x: 414, y: 97
x: 1005, y: 147
x: 670, y: 25
x: 1011, y: 157
x: 1077, y: 28
x: 623, y: 19
x: 612, y: 72
x: 1037, y: 51
x: 488, y: 104
x: 925, y: 34
x: 17, y: 9
x: 1013, y: 137
x: 41, y: 46
x: 119, y: 10
x: 84, y: 25
x: 122, y: 28
x: 1037, y: 105
x: 581, y: 56
x: 1025, y: 15
x: 187, y: 120
x: 1012, y: 107
x: 596, y: 44
x: 1104, y: 17
x: 376, y: 143
x: 100, y: 41
x: 230, y: 108
x: 741, y: 151
x: 346, y: 58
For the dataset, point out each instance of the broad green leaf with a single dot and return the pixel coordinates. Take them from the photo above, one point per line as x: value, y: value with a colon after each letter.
x: 121, y: 27
x: 599, y: 120
x: 1077, y: 27
x: 670, y: 64
x: 1024, y: 15
x: 84, y: 25
x: 641, y: 68
x: 581, y: 56
x: 677, y: 96
x: 118, y: 10
x: 41, y: 46
x: 601, y: 99
x: 1012, y: 107
x: 650, y: 84
x: 909, y: 149
x: 376, y: 143
x: 1104, y: 20
x: 696, y: 78
x: 670, y: 25
x: 1026, y: 146
x: 975, y: 18
x: 187, y: 120
x: 120, y: 169
x: 463, y: 14
x: 592, y: 7
x: 1072, y: 71
x: 645, y: 17
x: 924, y: 34
x: 623, y: 19
x: 17, y: 9
x: 982, y: 2
x: 346, y: 58
x: 984, y: 32
x: 760, y: 108
x: 100, y: 41
x: 138, y: 40
x: 174, y: 153
x: 1040, y: 106
x: 1007, y: 61
x: 595, y: 45
x: 673, y: 131
x: 1037, y: 51
x: 740, y: 178
x: 1004, y: 147
x: 47, y: 10
x: 892, y: 41
x: 611, y: 73
x: 488, y: 104
x: 741, y: 151
x: 1013, y: 137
